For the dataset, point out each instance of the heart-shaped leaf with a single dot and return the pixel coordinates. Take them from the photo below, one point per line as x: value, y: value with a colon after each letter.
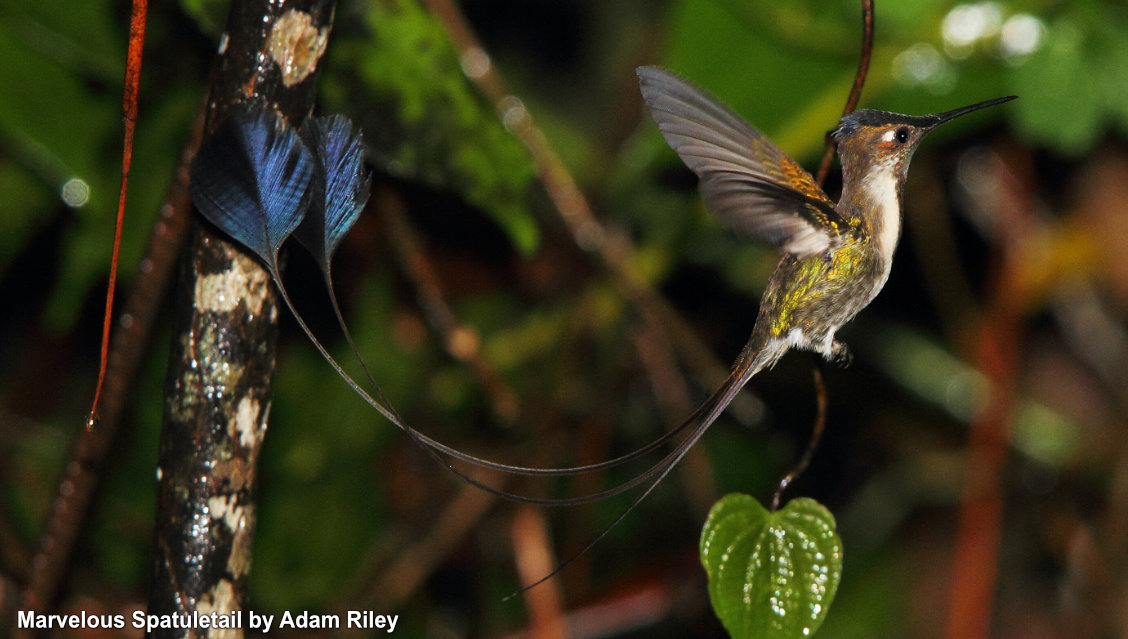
x: 251, y: 179
x: 339, y: 191
x: 772, y: 575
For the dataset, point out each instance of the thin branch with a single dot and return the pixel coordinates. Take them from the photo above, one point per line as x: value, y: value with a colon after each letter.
x: 416, y: 562
x: 613, y: 248
x: 534, y: 557
x: 461, y: 341
x: 628, y: 612
x: 135, y: 325
x: 812, y: 443
x: 856, y: 90
x: 671, y: 392
x: 129, y: 114
x: 824, y: 168
x: 118, y: 362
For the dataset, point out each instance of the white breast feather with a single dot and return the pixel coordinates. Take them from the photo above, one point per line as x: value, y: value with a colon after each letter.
x: 880, y: 188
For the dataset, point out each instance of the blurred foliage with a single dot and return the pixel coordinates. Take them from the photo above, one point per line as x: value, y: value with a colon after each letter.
x: 1075, y: 84
x: 343, y: 496
x: 62, y: 125
x: 403, y: 80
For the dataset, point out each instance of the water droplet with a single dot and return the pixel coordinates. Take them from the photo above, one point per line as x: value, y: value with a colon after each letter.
x: 475, y: 63
x: 75, y: 192
x: 512, y: 112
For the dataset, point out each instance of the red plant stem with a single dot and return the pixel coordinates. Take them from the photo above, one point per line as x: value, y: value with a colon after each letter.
x: 129, y: 115
x: 996, y: 354
x: 139, y: 313
x: 856, y: 91
x: 534, y: 558
x: 980, y: 523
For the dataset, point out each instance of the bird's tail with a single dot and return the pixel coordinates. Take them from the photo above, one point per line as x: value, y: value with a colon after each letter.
x: 751, y: 361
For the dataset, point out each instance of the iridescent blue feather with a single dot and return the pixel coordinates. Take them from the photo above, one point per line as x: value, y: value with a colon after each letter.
x: 339, y: 191
x: 251, y: 179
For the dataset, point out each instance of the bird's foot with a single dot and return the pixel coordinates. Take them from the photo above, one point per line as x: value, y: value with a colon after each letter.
x: 840, y: 355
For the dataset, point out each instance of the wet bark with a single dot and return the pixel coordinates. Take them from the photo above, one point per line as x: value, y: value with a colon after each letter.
x: 218, y: 389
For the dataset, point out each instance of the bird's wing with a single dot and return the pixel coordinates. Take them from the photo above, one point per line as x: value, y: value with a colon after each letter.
x: 746, y: 180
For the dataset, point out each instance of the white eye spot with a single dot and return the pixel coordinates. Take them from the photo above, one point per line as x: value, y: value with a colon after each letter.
x: 887, y: 136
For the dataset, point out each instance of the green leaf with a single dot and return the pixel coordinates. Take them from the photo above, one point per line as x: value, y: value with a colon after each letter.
x: 772, y: 575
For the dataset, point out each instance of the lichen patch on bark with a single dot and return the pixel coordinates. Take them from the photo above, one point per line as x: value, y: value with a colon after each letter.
x: 221, y: 292
x: 227, y: 508
x: 222, y: 601
x: 246, y: 422
x: 296, y: 45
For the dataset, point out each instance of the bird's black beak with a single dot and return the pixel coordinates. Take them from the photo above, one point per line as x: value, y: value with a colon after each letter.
x: 940, y: 118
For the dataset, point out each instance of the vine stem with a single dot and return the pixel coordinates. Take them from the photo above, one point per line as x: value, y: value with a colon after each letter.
x: 812, y: 443
x: 129, y: 96
x: 824, y: 168
x: 856, y: 89
x: 135, y: 324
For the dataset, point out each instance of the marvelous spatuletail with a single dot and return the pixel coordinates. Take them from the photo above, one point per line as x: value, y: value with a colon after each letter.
x: 836, y: 257
x: 259, y: 180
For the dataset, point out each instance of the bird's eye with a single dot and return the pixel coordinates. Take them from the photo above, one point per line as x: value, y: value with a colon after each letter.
x: 902, y: 135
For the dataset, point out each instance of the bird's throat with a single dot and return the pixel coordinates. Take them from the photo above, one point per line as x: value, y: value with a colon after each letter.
x: 881, y: 205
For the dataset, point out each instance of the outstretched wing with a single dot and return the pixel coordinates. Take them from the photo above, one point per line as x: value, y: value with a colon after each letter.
x: 745, y: 179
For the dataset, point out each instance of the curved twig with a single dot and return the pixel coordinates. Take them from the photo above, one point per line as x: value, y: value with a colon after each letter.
x: 135, y: 324
x: 590, y: 235
x: 859, y: 82
x: 460, y: 341
x: 824, y: 168
x: 812, y: 443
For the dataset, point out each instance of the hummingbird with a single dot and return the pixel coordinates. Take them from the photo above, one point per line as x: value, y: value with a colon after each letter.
x: 836, y: 257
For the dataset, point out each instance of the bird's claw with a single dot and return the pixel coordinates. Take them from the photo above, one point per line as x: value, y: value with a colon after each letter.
x: 840, y: 355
